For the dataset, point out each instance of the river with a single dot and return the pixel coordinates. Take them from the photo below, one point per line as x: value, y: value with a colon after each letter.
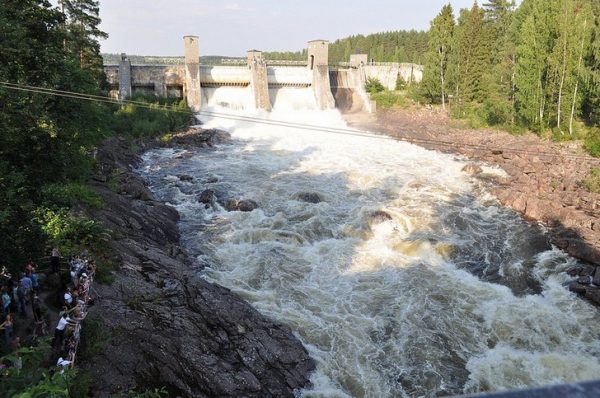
x: 407, y: 279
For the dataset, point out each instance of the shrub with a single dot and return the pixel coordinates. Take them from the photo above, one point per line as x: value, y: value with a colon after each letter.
x: 71, y: 233
x: 592, y: 142
x: 400, y: 83
x: 388, y: 99
x: 592, y: 181
x: 70, y: 193
x: 373, y: 86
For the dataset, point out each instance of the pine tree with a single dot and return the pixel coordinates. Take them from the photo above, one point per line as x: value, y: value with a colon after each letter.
x: 82, y: 24
x: 471, y: 56
x: 435, y: 85
x: 591, y: 73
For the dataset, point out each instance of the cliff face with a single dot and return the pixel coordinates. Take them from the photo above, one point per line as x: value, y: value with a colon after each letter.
x: 168, y: 326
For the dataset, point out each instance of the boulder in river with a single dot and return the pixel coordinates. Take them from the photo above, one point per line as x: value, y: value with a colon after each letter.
x: 241, y: 205
x: 207, y: 197
x: 380, y: 216
x: 472, y: 168
x: 308, y: 197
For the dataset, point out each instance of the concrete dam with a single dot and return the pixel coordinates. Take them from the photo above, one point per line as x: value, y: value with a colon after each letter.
x: 255, y: 83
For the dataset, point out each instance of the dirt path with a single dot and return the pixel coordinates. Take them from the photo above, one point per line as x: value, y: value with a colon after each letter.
x: 543, y: 183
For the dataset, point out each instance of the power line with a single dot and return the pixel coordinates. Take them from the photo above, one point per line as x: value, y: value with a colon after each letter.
x: 281, y: 123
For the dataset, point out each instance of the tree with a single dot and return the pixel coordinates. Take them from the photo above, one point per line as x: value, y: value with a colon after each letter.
x: 470, y: 57
x: 434, y: 84
x: 591, y: 73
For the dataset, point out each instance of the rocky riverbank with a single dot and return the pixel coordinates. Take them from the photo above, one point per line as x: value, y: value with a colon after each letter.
x: 543, y: 178
x: 168, y: 327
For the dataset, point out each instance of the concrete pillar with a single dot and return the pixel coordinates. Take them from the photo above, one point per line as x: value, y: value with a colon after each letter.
x: 318, y: 63
x: 259, y: 82
x: 124, y: 78
x: 192, y: 73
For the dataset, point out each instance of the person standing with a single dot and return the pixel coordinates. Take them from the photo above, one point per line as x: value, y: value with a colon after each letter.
x: 55, y: 260
x: 8, y: 330
x: 59, y: 332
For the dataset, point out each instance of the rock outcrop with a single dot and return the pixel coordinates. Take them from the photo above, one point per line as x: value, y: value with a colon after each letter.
x: 169, y: 327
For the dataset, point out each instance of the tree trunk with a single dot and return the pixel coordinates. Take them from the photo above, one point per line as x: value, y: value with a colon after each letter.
x: 577, y: 78
x: 441, y: 52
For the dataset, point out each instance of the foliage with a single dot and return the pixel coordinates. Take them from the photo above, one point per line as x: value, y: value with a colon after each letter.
x: 592, y: 180
x: 535, y: 66
x: 373, y: 85
x: 389, y: 99
x: 396, y: 46
x: 434, y: 85
x: 158, y: 116
x: 400, y: 83
x: 70, y: 193
x: 71, y: 233
x: 33, y: 379
x: 94, y: 336
x: 592, y: 142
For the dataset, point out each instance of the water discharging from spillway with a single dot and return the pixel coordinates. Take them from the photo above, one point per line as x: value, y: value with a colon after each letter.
x: 399, y: 272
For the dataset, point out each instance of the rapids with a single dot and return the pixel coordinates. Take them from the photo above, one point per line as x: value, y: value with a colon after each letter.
x: 452, y: 293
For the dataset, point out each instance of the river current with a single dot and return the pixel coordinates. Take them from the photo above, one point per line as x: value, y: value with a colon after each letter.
x: 451, y: 293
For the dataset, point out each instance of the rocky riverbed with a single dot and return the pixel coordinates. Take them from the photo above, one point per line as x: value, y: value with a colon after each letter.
x: 543, y: 178
x: 169, y: 327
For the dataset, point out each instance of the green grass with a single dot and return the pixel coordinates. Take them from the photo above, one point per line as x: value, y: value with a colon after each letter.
x: 390, y: 99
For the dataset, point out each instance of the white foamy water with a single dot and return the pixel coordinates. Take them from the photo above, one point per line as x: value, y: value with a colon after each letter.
x: 451, y: 293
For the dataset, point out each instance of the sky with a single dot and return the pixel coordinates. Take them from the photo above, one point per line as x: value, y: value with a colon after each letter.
x: 231, y: 27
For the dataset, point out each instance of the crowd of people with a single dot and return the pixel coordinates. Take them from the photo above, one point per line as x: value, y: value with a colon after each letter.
x: 21, y: 297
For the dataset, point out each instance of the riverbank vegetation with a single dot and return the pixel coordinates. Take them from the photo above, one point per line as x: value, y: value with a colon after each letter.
x: 534, y: 67
x: 47, y: 142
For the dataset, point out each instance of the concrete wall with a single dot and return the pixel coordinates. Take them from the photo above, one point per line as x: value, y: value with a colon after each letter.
x: 388, y: 74
x: 289, y: 75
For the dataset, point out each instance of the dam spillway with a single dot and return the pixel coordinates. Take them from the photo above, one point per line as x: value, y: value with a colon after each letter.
x: 399, y: 272
x: 255, y: 82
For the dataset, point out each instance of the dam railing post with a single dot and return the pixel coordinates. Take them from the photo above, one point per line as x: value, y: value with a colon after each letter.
x: 124, y: 78
x: 318, y: 63
x: 259, y: 82
x: 192, y: 73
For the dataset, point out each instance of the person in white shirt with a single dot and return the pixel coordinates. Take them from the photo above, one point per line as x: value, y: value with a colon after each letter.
x: 59, y: 332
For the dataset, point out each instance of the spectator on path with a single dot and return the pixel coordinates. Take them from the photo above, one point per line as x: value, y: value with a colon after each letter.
x: 26, y: 283
x: 36, y: 307
x: 8, y: 329
x: 59, y: 332
x: 35, y: 283
x: 55, y: 260
x: 29, y: 268
x: 21, y: 295
x: 68, y: 298
x: 5, y: 301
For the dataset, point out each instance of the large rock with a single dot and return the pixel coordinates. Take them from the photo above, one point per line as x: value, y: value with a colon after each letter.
x: 245, y: 205
x: 208, y: 197
x: 308, y: 197
x: 170, y: 328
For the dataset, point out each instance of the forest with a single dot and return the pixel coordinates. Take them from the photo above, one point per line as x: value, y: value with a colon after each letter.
x: 47, y: 141
x: 535, y: 66
x: 396, y: 46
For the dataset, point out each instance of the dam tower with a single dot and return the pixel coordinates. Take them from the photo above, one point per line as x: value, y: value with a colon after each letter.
x: 318, y: 63
x: 192, y: 72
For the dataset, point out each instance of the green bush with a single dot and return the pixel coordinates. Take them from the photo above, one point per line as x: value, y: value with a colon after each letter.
x: 389, y: 99
x: 592, y: 181
x: 94, y: 335
x: 400, y: 83
x: 70, y: 193
x: 592, y: 142
x: 155, y: 116
x: 71, y: 233
x: 373, y: 86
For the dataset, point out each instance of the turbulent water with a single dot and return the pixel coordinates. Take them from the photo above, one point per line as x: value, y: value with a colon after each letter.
x: 452, y: 293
